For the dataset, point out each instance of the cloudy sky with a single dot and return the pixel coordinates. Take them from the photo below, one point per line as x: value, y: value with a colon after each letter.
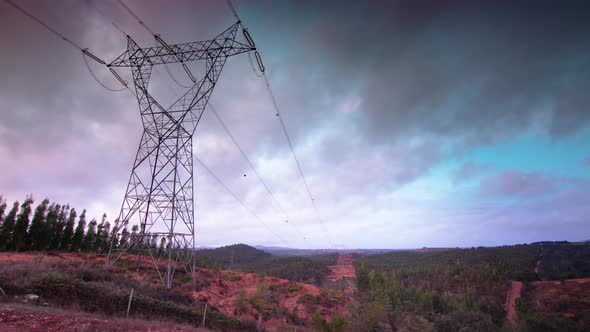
x: 417, y: 123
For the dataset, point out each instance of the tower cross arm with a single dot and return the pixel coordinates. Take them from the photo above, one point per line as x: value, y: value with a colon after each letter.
x: 225, y: 44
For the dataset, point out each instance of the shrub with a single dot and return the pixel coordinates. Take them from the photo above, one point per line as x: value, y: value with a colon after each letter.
x: 294, y: 288
x: 67, y: 291
x: 464, y: 321
x: 308, y: 301
x: 318, y: 322
x: 241, y: 303
x: 337, y: 323
x: 231, y: 277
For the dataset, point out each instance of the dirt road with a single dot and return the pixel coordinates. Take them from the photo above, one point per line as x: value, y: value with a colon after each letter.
x: 511, y: 297
x: 343, y: 270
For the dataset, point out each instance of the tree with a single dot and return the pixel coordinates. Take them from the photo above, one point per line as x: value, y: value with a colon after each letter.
x: 22, y: 223
x: 362, y: 277
x: 68, y: 232
x: 162, y: 246
x: 7, y: 229
x: 124, y: 238
x: 102, y: 234
x: 90, y: 239
x: 56, y: 229
x: 78, y: 236
x: 2, y: 209
x: 134, y: 236
x: 38, y: 233
x: 114, y: 238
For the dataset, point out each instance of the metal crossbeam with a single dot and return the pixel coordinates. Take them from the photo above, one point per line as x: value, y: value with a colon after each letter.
x: 185, y: 52
x: 159, y: 194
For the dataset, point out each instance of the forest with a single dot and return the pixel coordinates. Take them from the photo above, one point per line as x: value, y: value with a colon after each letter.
x: 464, y: 289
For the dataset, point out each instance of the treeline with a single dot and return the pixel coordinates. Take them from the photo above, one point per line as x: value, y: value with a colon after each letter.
x: 389, y: 301
x: 450, y: 290
x: 53, y: 226
x: 301, y: 269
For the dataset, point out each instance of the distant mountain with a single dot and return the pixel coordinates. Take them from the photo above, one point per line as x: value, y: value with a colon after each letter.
x: 282, y: 251
x: 233, y: 255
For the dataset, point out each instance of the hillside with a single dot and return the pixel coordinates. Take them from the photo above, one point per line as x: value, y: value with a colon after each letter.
x: 232, y: 256
x: 80, y: 283
x: 427, y: 290
x: 467, y: 289
x: 311, y: 269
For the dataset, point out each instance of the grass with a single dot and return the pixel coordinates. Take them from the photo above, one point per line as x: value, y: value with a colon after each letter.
x: 109, y: 323
x: 89, y: 287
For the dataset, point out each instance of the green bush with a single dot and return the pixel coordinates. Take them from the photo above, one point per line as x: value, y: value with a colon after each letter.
x: 464, y: 321
x: 67, y: 291
x: 294, y: 288
x: 231, y: 277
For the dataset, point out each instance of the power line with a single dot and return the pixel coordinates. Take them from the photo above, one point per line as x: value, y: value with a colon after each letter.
x: 174, y: 78
x: 239, y: 200
x: 135, y: 16
x: 45, y: 25
x: 104, y: 16
x: 96, y: 78
x: 85, y: 52
x: 274, y: 199
x: 284, y: 127
x: 231, y: 7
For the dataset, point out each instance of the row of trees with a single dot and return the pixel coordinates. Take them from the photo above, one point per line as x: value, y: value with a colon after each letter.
x: 52, y: 226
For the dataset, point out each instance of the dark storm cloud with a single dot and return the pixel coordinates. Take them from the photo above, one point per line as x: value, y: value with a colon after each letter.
x: 374, y: 94
x: 476, y: 71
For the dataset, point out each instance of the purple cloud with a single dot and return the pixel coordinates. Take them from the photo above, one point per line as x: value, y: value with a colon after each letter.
x: 519, y: 184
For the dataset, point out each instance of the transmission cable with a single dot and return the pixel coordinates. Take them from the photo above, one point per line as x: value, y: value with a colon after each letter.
x: 231, y: 7
x: 45, y: 25
x: 135, y: 16
x: 274, y: 199
x: 174, y: 78
x: 284, y: 127
x: 85, y: 52
x: 96, y: 78
x: 240, y: 201
x: 252, y: 65
x: 106, y: 18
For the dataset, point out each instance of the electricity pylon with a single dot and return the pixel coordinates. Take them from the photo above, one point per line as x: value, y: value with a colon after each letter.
x: 159, y: 195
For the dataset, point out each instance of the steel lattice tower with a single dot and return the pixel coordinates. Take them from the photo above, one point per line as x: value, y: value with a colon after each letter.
x: 159, y: 195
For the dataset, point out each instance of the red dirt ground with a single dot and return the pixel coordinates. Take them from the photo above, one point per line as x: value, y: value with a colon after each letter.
x: 570, y: 298
x: 511, y: 297
x: 21, y: 318
x: 225, y: 287
x: 344, y: 269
